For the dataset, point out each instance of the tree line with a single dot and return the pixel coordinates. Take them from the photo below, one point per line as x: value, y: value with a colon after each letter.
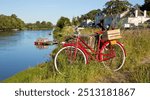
x: 39, y: 25
x: 111, y: 7
x: 64, y: 21
x: 10, y: 22
x: 13, y: 22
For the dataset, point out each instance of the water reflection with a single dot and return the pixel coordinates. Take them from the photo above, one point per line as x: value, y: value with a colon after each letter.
x: 42, y: 46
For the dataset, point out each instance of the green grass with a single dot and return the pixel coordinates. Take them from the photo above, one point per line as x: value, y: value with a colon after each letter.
x: 33, y: 74
x: 136, y: 68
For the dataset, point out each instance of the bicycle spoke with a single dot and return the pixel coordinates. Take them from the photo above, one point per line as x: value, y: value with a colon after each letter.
x: 66, y: 60
x: 115, y: 56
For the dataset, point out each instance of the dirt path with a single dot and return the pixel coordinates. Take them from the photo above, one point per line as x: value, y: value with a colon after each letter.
x: 146, y: 60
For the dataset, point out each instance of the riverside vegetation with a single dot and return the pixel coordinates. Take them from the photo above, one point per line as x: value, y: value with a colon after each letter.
x: 136, y: 68
x: 12, y: 22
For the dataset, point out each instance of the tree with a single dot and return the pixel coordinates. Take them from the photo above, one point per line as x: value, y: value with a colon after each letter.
x: 147, y: 1
x: 91, y: 15
x: 14, y: 16
x: 10, y: 22
x: 43, y: 22
x: 39, y: 26
x: 62, y: 22
x: 37, y: 23
x: 20, y: 24
x: 146, y: 6
x: 116, y: 6
x: 75, y: 21
x: 49, y: 24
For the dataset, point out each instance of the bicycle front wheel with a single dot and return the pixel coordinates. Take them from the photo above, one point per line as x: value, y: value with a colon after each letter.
x: 67, y: 58
x: 113, y: 56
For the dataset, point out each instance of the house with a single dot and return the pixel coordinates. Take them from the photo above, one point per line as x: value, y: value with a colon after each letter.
x: 134, y: 16
x: 87, y: 23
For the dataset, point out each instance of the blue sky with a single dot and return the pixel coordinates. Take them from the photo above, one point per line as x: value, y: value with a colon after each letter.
x: 51, y: 10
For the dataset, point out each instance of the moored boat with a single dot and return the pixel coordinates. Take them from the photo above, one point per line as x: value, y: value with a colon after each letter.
x: 44, y: 41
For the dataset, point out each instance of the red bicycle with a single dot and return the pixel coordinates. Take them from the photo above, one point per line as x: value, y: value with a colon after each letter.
x: 110, y: 52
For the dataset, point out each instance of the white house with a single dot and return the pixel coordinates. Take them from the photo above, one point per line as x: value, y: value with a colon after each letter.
x: 135, y: 17
x: 87, y: 23
x: 132, y: 16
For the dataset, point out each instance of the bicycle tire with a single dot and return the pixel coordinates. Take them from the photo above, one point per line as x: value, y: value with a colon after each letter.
x: 119, y: 51
x: 63, y: 61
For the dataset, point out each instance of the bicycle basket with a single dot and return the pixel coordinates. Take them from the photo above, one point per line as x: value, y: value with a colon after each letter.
x: 112, y: 35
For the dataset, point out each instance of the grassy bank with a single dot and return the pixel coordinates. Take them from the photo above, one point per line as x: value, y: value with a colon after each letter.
x: 136, y: 68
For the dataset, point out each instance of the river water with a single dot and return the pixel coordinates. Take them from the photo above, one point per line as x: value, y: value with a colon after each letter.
x: 18, y: 52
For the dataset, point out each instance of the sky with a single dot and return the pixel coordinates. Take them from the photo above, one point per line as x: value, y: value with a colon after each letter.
x: 51, y: 10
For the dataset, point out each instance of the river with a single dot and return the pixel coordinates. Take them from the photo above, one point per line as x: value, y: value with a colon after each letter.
x: 18, y: 52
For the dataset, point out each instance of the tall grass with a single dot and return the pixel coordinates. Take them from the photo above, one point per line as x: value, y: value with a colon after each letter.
x: 136, y: 68
x: 138, y: 48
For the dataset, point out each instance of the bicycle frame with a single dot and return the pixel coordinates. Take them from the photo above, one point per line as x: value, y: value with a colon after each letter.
x: 110, y: 51
x: 83, y: 46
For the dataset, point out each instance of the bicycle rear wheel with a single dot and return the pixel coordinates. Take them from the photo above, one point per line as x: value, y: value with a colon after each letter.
x: 67, y: 58
x: 113, y: 56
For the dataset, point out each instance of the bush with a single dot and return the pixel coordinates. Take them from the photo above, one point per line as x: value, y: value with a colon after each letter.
x: 62, y: 22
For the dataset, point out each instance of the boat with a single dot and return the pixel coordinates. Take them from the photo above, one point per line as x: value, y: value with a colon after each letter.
x: 45, y: 41
x: 55, y: 42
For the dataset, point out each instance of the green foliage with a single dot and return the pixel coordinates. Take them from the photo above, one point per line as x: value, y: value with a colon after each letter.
x: 14, y: 16
x: 116, y: 6
x: 146, y: 6
x: 75, y: 21
x: 31, y: 75
x: 90, y: 15
x: 141, y: 74
x: 39, y: 25
x: 10, y: 22
x: 62, y: 22
x: 60, y: 34
x: 147, y: 1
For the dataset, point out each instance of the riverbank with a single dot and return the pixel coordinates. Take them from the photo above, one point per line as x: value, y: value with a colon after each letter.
x: 136, y: 68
